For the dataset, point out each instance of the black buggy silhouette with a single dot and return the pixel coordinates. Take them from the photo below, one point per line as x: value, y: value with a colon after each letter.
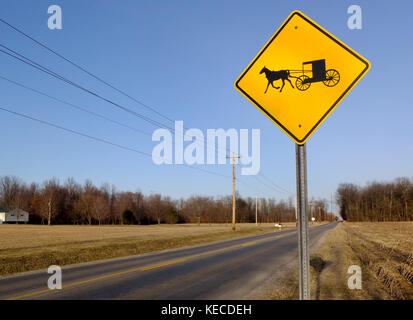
x: 329, y: 77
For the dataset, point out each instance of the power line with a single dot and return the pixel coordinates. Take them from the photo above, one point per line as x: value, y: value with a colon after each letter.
x: 50, y: 124
x: 75, y: 106
x: 39, y: 67
x: 74, y: 131
x: 274, y: 184
x: 267, y: 185
x: 46, y: 70
x: 84, y: 70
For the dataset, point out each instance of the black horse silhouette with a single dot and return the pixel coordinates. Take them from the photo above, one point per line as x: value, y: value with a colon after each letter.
x: 276, y: 75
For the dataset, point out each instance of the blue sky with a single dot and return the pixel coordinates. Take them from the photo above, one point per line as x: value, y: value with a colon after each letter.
x: 182, y: 58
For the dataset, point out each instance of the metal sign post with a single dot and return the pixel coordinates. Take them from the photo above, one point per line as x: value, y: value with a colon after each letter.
x: 302, y: 205
x: 300, y: 100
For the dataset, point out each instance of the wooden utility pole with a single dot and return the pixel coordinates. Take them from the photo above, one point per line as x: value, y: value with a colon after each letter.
x: 49, y: 204
x: 311, y: 212
x: 256, y: 211
x: 331, y: 209
x: 296, y: 216
x: 233, y: 157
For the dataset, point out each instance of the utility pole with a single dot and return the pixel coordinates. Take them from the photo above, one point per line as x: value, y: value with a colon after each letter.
x: 296, y: 216
x: 256, y: 211
x: 311, y: 212
x: 302, y: 201
x: 331, y: 203
x: 49, y: 204
x: 233, y: 157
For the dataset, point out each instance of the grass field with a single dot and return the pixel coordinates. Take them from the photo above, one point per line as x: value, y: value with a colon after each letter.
x: 32, y: 247
x: 384, y: 251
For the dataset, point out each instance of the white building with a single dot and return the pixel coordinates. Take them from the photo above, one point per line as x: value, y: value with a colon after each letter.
x: 13, y: 215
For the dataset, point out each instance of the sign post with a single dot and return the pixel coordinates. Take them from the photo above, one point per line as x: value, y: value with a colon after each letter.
x: 302, y: 199
x: 297, y: 79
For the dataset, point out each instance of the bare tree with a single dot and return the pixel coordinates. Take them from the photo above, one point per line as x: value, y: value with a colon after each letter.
x: 101, y: 208
x: 51, y: 197
x: 156, y: 207
x: 87, y: 202
x: 9, y: 191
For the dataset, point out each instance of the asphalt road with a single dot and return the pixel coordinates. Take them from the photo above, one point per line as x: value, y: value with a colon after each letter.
x: 232, y: 269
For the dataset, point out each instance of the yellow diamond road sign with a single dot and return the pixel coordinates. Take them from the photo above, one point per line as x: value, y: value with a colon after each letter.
x: 300, y: 76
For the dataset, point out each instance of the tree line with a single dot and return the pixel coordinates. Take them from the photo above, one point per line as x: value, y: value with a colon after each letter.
x: 377, y: 201
x: 52, y: 202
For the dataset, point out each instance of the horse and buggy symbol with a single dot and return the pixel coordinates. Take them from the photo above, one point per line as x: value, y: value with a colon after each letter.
x: 329, y: 77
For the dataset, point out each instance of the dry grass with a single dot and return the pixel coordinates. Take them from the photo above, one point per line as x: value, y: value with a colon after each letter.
x: 384, y: 251
x: 32, y: 247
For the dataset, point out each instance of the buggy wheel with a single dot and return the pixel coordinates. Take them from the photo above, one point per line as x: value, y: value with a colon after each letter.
x: 301, y: 83
x: 332, y: 78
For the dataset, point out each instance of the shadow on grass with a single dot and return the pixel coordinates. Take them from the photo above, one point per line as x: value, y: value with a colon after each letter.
x: 318, y: 264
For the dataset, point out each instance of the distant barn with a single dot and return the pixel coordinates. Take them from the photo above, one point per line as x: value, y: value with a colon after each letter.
x: 13, y: 215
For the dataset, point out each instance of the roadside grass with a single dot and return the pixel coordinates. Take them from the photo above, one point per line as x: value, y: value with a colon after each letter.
x: 384, y: 251
x: 33, y: 247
